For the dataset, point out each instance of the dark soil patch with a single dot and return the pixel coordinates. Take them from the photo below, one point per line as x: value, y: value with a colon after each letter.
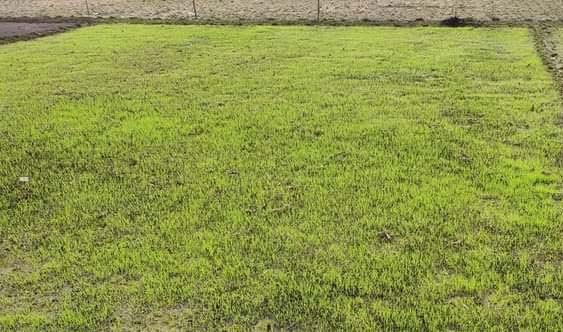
x: 13, y: 31
x: 455, y: 21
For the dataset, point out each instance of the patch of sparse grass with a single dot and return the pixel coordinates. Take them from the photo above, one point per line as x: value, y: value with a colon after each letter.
x: 307, y: 178
x: 560, y: 51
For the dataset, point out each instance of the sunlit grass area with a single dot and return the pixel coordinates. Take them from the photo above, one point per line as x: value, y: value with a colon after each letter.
x: 300, y: 178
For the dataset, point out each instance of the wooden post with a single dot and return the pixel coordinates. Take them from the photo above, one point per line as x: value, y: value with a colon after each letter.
x: 195, y: 8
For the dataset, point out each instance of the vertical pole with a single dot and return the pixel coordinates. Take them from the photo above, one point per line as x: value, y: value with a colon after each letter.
x: 87, y: 8
x: 318, y: 10
x: 195, y: 8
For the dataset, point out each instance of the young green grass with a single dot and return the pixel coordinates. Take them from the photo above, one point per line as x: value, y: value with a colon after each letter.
x: 300, y: 178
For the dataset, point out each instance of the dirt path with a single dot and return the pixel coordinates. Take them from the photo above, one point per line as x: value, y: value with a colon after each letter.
x: 12, y: 31
x: 291, y: 10
x: 546, y: 37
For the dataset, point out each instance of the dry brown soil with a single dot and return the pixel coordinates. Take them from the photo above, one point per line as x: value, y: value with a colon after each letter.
x: 291, y: 10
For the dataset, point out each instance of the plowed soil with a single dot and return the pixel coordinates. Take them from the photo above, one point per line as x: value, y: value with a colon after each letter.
x: 11, y: 31
x: 262, y: 10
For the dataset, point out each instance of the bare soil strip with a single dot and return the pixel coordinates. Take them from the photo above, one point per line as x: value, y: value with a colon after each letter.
x: 546, y: 43
x: 290, y: 10
x: 14, y: 31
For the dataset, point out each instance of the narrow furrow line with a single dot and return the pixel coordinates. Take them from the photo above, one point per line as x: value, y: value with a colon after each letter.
x: 546, y: 45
